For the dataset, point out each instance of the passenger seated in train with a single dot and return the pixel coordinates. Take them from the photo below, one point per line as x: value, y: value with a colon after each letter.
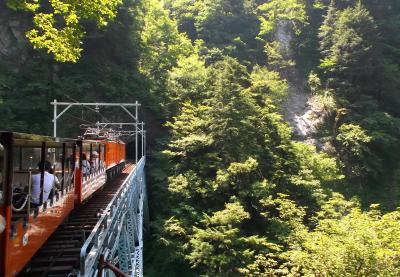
x: 49, y: 182
x: 95, y: 162
x: 85, y: 166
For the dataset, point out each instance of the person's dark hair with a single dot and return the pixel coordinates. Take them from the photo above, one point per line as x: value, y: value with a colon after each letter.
x: 83, y: 156
x: 46, y: 166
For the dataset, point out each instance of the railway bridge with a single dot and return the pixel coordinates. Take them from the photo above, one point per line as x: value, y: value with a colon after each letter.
x: 90, y: 224
x: 103, y: 237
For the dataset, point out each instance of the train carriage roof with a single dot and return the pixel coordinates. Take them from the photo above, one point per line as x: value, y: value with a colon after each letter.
x: 27, y: 138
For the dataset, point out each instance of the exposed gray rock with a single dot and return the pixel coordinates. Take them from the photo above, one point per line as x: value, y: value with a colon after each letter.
x: 14, y: 46
x: 284, y: 35
x: 299, y: 109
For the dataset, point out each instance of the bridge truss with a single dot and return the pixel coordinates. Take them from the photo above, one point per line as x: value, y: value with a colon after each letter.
x: 118, y: 235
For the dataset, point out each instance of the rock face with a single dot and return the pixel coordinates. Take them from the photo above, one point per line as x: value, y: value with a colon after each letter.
x: 299, y: 109
x: 284, y: 35
x: 314, y: 115
x: 295, y: 107
x: 14, y: 46
x: 303, y: 112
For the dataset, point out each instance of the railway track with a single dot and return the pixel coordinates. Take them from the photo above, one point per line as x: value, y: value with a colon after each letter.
x: 59, y: 256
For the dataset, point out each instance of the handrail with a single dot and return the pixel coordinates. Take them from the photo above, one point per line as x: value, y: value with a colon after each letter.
x: 98, y: 235
x: 94, y: 174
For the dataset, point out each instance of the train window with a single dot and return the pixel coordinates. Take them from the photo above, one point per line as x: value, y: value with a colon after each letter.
x: 69, y: 165
x: 94, y: 158
x: 55, y: 157
x: 50, y: 156
x: 102, y: 149
x: 2, y: 164
x: 86, y: 151
x: 86, y: 159
x: 25, y: 159
x: 77, y: 157
x: 17, y: 157
x: 30, y: 158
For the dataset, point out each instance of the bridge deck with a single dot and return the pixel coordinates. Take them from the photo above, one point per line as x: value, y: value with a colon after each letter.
x: 59, y: 256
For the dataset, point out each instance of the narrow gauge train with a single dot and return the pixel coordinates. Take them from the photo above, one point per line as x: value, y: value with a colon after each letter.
x: 25, y: 226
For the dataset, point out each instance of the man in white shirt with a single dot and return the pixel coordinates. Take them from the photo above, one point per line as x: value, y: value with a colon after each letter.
x: 48, y: 182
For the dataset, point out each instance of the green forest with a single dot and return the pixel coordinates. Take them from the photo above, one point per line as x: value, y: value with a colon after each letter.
x: 274, y: 125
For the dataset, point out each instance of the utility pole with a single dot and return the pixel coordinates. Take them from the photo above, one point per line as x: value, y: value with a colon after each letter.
x: 55, y: 119
x: 136, y: 134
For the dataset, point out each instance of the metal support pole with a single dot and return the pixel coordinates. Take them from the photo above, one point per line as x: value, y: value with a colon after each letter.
x: 142, y: 139
x: 55, y: 119
x: 136, y: 133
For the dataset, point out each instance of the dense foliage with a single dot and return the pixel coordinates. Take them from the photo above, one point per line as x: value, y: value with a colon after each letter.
x: 232, y: 193
x: 239, y: 197
x: 57, y: 24
x: 358, y: 65
x: 110, y: 56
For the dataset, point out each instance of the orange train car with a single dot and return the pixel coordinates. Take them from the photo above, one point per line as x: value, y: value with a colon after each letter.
x: 106, y: 159
x: 115, y: 153
x: 91, y: 170
x: 25, y: 226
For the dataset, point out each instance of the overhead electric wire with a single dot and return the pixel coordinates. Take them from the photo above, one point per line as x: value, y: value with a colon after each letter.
x: 103, y: 118
x: 89, y: 108
x: 78, y: 118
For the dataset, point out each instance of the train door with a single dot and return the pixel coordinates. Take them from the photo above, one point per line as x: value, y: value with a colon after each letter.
x: 69, y: 167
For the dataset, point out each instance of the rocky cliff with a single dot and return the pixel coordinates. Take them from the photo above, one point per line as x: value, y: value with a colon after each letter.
x: 14, y: 47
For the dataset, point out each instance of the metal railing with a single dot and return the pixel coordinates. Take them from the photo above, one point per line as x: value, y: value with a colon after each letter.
x: 118, y: 233
x: 93, y: 182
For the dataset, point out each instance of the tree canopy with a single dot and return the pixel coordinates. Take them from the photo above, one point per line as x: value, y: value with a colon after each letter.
x: 58, y: 25
x: 233, y: 191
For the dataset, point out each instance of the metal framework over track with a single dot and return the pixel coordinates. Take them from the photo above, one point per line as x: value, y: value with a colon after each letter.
x: 138, y: 126
x: 68, y: 105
